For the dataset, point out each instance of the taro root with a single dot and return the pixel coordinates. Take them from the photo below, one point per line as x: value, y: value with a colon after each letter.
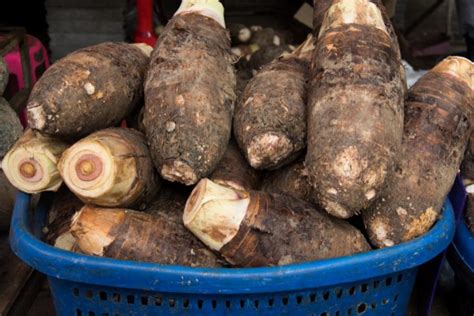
x: 88, y: 90
x: 10, y: 127
x: 233, y: 171
x: 31, y: 164
x: 251, y: 229
x: 355, y: 108
x: 130, y: 235
x: 112, y: 168
x: 57, y: 231
x: 189, y: 93
x: 270, y: 118
x: 438, y: 123
x: 290, y: 180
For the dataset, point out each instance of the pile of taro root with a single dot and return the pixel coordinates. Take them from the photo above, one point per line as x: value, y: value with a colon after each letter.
x: 257, y: 154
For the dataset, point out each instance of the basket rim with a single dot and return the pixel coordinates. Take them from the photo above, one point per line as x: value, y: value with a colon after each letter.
x: 65, y: 265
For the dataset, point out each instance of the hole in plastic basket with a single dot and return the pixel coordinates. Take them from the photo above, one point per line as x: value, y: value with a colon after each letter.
x: 312, y: 297
x: 299, y: 299
x: 376, y: 284
x: 338, y: 293
x: 116, y: 297
x: 270, y: 302
x: 388, y: 281
x: 284, y: 300
x: 200, y: 303
x: 324, y: 314
x: 395, y: 298
x: 105, y: 314
x: 337, y: 313
x: 399, y: 278
x: 349, y: 311
x: 89, y: 294
x: 185, y: 303
x: 361, y: 308
x: 373, y: 305
x: 326, y: 295
x: 75, y: 291
x: 364, y: 287
x: 171, y: 302
x: 130, y: 299
x: 78, y: 312
x: 352, y: 290
x: 102, y: 296
x: 144, y: 300
x: 91, y: 314
x: 384, y: 301
x: 227, y: 304
x: 214, y: 304
x: 242, y: 303
x: 158, y: 300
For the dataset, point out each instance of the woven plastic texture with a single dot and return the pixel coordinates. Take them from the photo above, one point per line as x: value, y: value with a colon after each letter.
x: 375, y: 283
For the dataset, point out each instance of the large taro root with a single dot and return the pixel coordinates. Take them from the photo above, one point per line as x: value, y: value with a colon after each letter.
x: 88, y: 90
x: 438, y: 123
x: 355, y: 108
x: 255, y: 228
x: 189, y: 93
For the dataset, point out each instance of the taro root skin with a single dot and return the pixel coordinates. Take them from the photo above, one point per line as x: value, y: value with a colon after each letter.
x: 438, y: 122
x: 189, y: 94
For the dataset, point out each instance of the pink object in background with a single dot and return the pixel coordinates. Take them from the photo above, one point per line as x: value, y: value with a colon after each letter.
x: 39, y: 62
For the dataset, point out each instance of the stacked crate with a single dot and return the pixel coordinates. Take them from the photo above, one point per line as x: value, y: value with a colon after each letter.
x: 79, y: 23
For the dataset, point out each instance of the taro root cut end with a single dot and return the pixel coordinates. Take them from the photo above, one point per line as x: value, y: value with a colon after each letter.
x: 213, y: 213
x: 211, y: 8
x: 269, y: 148
x: 178, y: 171
x: 459, y: 67
x: 353, y: 12
x: 94, y: 229
x: 30, y: 165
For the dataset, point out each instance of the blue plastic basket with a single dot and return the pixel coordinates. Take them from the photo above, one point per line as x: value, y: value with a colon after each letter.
x: 461, y: 253
x: 375, y: 283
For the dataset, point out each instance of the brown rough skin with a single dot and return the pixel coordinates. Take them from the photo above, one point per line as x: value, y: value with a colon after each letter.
x: 65, y: 204
x: 10, y: 127
x: 467, y: 167
x: 438, y: 118
x: 3, y: 76
x: 355, y: 116
x: 470, y: 213
x: 159, y: 238
x: 189, y: 98
x: 321, y: 7
x: 7, y: 201
x: 291, y: 180
x: 270, y: 118
x: 279, y: 230
x: 90, y: 89
x: 233, y: 171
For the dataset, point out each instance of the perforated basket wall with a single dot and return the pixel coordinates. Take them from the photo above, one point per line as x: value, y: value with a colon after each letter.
x: 379, y: 296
